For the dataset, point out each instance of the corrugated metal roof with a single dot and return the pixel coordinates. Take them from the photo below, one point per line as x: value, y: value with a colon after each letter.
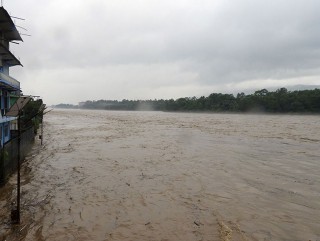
x: 16, y: 108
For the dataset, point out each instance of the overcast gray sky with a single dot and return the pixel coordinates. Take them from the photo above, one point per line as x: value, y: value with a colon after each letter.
x: 142, y: 49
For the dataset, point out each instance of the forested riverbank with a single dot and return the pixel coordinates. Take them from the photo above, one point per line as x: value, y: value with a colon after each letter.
x: 279, y: 101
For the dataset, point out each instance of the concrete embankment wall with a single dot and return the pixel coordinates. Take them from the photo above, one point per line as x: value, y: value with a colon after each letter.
x: 9, y: 153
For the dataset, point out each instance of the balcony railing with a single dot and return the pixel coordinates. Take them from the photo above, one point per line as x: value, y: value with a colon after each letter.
x: 9, y: 81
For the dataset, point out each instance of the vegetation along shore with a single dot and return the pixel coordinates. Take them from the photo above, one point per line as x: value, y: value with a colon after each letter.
x: 279, y: 101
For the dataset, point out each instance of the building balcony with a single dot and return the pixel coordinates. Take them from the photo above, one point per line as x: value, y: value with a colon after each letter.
x: 8, y: 82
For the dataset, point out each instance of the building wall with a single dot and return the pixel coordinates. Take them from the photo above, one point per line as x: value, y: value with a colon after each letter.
x: 4, y: 121
x: 5, y: 102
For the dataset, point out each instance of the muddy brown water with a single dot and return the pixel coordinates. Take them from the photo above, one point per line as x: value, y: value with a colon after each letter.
x: 169, y: 176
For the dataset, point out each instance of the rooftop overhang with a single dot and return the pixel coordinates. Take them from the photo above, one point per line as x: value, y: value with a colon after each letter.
x: 8, y: 57
x: 7, y: 26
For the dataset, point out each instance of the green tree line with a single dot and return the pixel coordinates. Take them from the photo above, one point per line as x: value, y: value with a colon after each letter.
x: 279, y: 101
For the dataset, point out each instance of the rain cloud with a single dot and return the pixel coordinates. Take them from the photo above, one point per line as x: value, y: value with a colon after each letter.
x: 81, y: 50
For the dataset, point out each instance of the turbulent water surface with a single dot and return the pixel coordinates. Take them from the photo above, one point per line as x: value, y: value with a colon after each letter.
x: 104, y: 175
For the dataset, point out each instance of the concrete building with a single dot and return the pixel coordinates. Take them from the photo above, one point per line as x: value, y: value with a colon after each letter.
x: 9, y: 87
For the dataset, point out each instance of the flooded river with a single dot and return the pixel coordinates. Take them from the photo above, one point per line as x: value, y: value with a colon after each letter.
x: 144, y: 176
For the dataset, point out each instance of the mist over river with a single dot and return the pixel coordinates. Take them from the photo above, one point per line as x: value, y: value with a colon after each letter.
x: 103, y: 175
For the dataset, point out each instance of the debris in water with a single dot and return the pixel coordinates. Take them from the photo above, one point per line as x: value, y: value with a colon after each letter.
x: 197, y: 223
x: 23, y: 228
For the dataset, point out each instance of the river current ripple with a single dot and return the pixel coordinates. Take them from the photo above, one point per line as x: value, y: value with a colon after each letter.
x: 103, y: 175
